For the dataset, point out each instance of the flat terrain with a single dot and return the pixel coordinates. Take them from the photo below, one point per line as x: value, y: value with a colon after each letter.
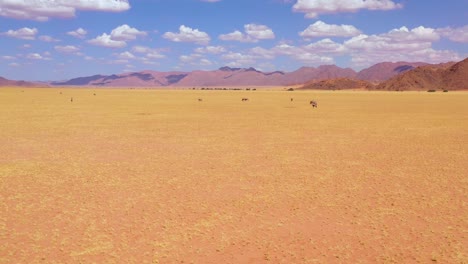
x: 144, y: 176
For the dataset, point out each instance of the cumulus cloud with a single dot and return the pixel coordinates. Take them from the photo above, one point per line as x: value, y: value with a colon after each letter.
x: 69, y: 49
x: 46, y: 38
x: 262, y: 53
x: 326, y: 46
x: 78, y: 33
x: 22, y: 33
x: 195, y: 59
x: 253, y: 33
x: 118, y: 37
x: 397, y: 45
x: 322, y: 29
x: 310, y: 58
x: 125, y: 32
x: 187, y: 34
x: 106, y: 41
x: 455, y: 34
x: 126, y: 56
x: 149, y: 53
x: 36, y: 56
x: 7, y: 57
x: 236, y: 59
x: 211, y: 49
x: 313, y: 8
x: 43, y: 10
x: 396, y: 40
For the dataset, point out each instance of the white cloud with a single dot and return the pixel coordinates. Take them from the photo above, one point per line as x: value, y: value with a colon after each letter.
x: 314, y: 8
x: 43, y: 10
x: 286, y: 49
x: 428, y: 55
x: 105, y: 41
x: 14, y: 64
x: 326, y: 46
x: 211, y: 49
x: 7, y: 57
x: 236, y: 59
x: 259, y: 32
x: 78, y: 33
x: 117, y: 38
x: 126, y: 56
x: 46, y: 38
x: 148, y: 52
x: 455, y: 34
x: 321, y: 29
x: 70, y: 49
x: 189, y: 58
x: 125, y: 33
x: 397, y: 45
x: 418, y: 34
x: 234, y: 36
x: 396, y: 40
x: 187, y: 34
x: 195, y: 59
x: 262, y: 53
x: 253, y: 33
x: 35, y: 56
x: 314, y: 59
x: 22, y: 33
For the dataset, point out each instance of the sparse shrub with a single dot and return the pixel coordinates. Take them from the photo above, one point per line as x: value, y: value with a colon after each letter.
x: 445, y: 91
x: 431, y: 91
x: 290, y: 89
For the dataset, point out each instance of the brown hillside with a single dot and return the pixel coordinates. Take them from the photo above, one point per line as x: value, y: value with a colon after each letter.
x: 433, y: 77
x: 6, y: 82
x: 338, y: 84
x: 386, y: 70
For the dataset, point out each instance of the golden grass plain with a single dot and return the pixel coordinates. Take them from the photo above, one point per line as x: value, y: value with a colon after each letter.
x: 152, y: 176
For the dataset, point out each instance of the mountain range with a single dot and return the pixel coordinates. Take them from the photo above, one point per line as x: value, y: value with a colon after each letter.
x: 227, y: 76
x: 381, y: 76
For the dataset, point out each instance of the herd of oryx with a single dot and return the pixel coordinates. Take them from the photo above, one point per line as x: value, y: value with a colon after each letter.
x: 313, y: 103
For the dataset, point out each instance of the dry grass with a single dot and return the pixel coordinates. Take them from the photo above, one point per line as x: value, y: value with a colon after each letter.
x: 146, y: 176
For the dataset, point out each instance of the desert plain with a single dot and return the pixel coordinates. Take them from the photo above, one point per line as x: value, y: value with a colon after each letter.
x: 155, y: 176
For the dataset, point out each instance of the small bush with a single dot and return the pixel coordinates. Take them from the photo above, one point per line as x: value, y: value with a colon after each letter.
x: 445, y: 91
x: 431, y: 91
x: 290, y: 89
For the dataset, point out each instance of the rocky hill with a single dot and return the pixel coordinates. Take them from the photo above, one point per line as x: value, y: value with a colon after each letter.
x: 5, y: 82
x: 338, y: 84
x: 430, y: 77
x: 386, y: 70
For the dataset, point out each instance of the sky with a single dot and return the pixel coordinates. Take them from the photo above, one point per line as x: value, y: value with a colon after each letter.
x: 45, y: 40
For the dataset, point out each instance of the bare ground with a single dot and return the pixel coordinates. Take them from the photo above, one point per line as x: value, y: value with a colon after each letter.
x: 158, y: 177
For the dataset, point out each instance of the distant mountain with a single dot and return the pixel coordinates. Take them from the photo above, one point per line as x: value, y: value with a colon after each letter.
x: 386, y: 70
x: 338, y: 84
x: 224, y: 76
x: 229, y: 77
x: 6, y: 82
x: 430, y: 77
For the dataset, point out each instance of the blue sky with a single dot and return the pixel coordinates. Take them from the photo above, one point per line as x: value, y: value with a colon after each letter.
x: 61, y: 39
